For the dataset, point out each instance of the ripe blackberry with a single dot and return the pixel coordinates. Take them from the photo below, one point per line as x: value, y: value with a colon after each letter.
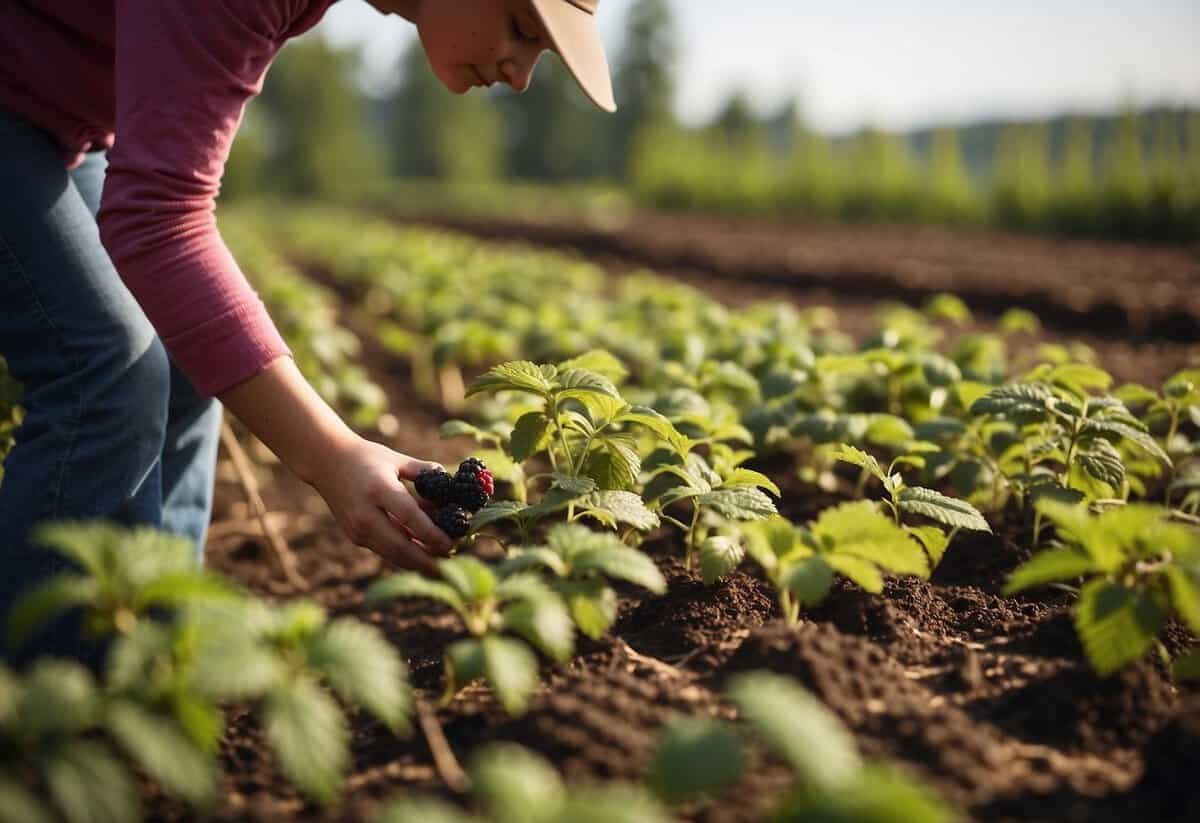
x: 470, y: 494
x: 436, y: 486
x: 453, y: 521
x: 474, y: 470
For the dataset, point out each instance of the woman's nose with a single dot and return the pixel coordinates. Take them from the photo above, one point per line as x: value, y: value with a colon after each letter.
x: 517, y: 71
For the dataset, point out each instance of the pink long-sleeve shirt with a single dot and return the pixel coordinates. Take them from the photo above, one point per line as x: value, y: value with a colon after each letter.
x: 162, y: 85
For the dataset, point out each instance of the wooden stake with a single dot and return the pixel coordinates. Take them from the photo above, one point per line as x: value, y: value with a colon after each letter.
x: 275, y: 542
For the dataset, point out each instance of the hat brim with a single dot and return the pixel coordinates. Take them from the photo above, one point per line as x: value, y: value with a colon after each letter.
x: 576, y: 39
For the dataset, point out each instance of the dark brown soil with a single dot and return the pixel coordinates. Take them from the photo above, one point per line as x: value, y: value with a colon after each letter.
x: 987, y: 698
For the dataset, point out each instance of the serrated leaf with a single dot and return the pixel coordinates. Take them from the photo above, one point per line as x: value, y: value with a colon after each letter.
x: 748, y: 477
x: 575, y: 486
x: 600, y: 361
x: 411, y: 584
x: 1115, y: 429
x: 519, y: 375
x: 544, y: 622
x: 89, y: 784
x: 163, y: 751
x: 947, y: 510
x: 850, y: 454
x: 696, y: 758
x: 579, y: 382
x: 512, y: 671
x: 719, y: 556
x: 470, y: 577
x: 1116, y: 625
x: 1081, y: 378
x: 364, y: 669
x: 1103, y: 461
x: 1049, y: 566
x: 308, y: 735
x: 524, y: 558
x: 529, y: 436
x: 657, y: 423
x: 738, y: 503
x: 592, y: 603
x: 496, y: 512
x: 889, y: 430
x: 179, y: 588
x: 863, y: 573
x: 1023, y: 402
x: 623, y: 465
x: 621, y: 562
x: 933, y: 539
x: 859, y: 529
x: 515, y: 784
x: 799, y: 727
x: 810, y: 580
x: 625, y: 507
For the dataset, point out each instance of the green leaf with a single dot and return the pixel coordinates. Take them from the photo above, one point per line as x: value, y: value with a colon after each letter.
x: 411, y: 584
x: 849, y: 454
x: 719, y: 556
x: 163, y: 751
x: 696, y: 758
x: 1080, y: 378
x: 799, y: 727
x: 178, y: 588
x: 879, y: 795
x: 749, y: 477
x: 512, y: 671
x: 625, y: 507
x: 520, y: 375
x: 463, y: 660
x: 43, y: 603
x: 946, y: 510
x: 573, y: 485
x: 515, y: 784
x: 859, y: 529
x: 933, y: 539
x: 600, y: 361
x: 1110, y: 429
x: 863, y: 573
x: 657, y: 423
x: 592, y: 603
x: 809, y: 580
x: 1116, y: 625
x: 1183, y: 582
x: 621, y: 562
x: 495, y: 512
x: 522, y: 559
x: 470, y: 578
x: 1103, y: 461
x: 60, y: 698
x: 422, y: 810
x: 364, y: 669
x: 1050, y: 566
x: 19, y: 805
x: 618, y: 465
x: 888, y: 430
x: 738, y: 503
x: 610, y: 803
x: 544, y: 622
x: 529, y: 435
x: 580, y: 382
x: 308, y: 735
x: 89, y: 784
x: 1023, y: 402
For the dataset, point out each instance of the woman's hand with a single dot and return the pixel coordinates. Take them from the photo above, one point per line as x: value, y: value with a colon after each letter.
x: 359, y: 479
x: 362, y: 486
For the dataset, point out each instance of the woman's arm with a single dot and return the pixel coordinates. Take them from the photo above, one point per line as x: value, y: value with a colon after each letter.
x: 359, y: 479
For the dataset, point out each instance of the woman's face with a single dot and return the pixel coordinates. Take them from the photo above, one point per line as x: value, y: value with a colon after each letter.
x: 480, y: 42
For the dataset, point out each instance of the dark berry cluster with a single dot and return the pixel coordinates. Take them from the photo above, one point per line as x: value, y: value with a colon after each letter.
x: 457, y: 495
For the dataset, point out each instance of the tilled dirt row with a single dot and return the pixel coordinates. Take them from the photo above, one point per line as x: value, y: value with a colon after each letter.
x: 1127, y: 290
x: 987, y: 698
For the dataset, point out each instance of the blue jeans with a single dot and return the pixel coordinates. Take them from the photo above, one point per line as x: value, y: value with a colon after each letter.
x: 112, y: 428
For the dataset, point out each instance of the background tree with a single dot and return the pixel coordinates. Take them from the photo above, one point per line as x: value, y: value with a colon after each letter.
x: 643, y: 79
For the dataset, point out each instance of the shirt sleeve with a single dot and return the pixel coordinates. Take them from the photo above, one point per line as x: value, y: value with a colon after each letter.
x: 184, y: 72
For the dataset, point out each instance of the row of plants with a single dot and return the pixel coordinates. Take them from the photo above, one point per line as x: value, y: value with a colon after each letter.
x: 963, y: 426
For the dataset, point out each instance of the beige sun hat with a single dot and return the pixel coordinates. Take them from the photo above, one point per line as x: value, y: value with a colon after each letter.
x: 571, y: 25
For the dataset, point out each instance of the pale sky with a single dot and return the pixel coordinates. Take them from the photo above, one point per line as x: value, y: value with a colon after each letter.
x: 896, y: 63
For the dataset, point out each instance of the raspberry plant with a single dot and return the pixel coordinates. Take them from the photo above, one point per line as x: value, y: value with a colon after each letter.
x: 183, y: 641
x: 854, y: 540
x: 582, y: 562
x: 1138, y: 567
x: 11, y: 413
x: 489, y: 605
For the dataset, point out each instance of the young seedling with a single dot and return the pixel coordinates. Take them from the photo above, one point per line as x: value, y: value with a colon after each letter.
x: 514, y: 785
x: 854, y: 540
x: 490, y: 605
x: 582, y: 562
x: 697, y: 759
x: 1139, y: 568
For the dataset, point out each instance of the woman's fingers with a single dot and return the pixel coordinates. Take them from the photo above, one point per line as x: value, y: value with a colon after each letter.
x: 409, y: 467
x: 393, y: 546
x: 403, y: 508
